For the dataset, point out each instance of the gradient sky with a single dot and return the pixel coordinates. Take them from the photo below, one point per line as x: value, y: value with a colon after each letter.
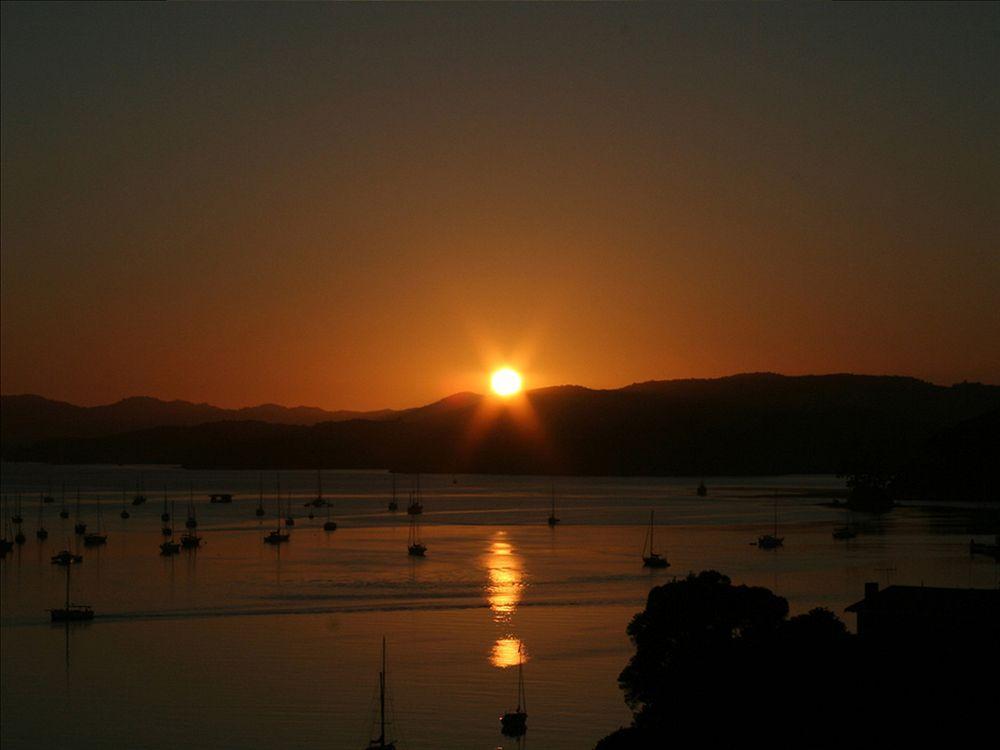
x: 367, y: 206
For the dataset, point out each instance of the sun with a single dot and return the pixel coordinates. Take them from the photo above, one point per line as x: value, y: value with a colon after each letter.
x: 505, y: 382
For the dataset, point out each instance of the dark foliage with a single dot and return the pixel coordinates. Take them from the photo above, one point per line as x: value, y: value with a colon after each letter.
x: 718, y: 665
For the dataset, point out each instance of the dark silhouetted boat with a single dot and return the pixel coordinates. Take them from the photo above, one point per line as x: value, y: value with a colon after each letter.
x: 277, y: 536
x: 139, y: 498
x: 41, y: 532
x: 553, y: 519
x: 63, y: 513
x: 702, y: 490
x: 17, y: 519
x: 393, y: 504
x: 170, y: 547
x: 381, y: 742
x: 66, y: 558
x: 844, y: 532
x: 190, y: 540
x: 71, y: 612
x: 7, y: 540
x: 124, y: 513
x: 79, y: 527
x: 414, y: 546
x: 96, y: 538
x: 165, y: 516
x: 515, y: 723
x: 329, y: 524
x: 318, y: 501
x: 223, y: 498
x: 416, y: 506
x: 192, y: 518
x: 653, y: 559
x: 772, y: 541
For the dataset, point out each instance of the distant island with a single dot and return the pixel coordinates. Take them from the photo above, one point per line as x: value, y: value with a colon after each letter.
x: 915, y: 435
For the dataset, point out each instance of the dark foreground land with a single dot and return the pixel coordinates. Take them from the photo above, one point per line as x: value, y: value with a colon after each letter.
x: 718, y: 665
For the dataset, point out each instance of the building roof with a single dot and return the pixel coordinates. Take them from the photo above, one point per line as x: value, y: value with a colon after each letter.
x: 928, y: 599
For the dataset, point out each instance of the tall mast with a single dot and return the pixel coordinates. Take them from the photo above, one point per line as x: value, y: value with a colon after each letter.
x: 68, y: 566
x: 381, y: 697
x: 319, y: 484
x: 651, y: 532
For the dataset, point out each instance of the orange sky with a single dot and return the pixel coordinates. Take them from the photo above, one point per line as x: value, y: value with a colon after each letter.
x: 370, y: 206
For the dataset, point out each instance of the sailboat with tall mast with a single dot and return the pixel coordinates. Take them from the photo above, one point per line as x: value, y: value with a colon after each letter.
x: 772, y: 541
x: 63, y: 513
x: 79, y: 527
x: 414, y: 546
x: 167, y: 529
x: 277, y: 536
x: 124, y: 514
x: 318, y: 501
x: 71, y: 612
x: 553, y: 518
x: 165, y: 515
x: 169, y: 547
x: 416, y: 506
x: 96, y: 538
x: 330, y: 524
x: 381, y: 742
x: 6, y: 541
x: 140, y: 496
x: 653, y: 559
x: 393, y: 504
x: 41, y: 533
x: 190, y: 539
x: 515, y: 723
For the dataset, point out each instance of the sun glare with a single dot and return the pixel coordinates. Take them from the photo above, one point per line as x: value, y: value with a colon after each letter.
x: 505, y: 382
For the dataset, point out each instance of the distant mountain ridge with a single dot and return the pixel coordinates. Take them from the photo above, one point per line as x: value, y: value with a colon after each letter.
x: 758, y: 423
x: 28, y: 417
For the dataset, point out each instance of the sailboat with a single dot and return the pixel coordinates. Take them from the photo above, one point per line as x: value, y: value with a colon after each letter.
x: 124, y: 513
x: 653, y: 559
x: 772, y: 541
x: 415, y: 508
x: 71, y: 612
x: 318, y: 501
x: 192, y: 519
x: 63, y: 513
x: 169, y: 547
x: 393, y: 505
x: 380, y: 742
x: 66, y: 558
x: 277, y: 536
x: 702, y: 490
x: 79, y: 527
x: 18, y: 519
x: 139, y: 497
x: 167, y: 529
x: 189, y: 539
x: 47, y: 497
x: 165, y: 516
x: 6, y: 544
x: 41, y: 533
x: 96, y: 538
x: 330, y: 524
x: 414, y: 546
x: 515, y: 723
x: 553, y: 519
x: 260, y: 497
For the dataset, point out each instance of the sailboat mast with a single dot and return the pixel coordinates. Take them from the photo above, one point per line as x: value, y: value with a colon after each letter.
x: 651, y: 531
x: 381, y: 697
x: 68, y: 566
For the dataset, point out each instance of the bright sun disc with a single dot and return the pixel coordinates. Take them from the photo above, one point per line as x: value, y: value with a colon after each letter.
x: 505, y: 382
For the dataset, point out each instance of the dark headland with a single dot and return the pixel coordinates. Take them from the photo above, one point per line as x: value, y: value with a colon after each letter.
x: 928, y: 439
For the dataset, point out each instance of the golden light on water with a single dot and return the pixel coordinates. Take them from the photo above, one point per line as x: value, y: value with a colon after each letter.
x: 505, y: 381
x: 503, y: 592
x: 505, y: 652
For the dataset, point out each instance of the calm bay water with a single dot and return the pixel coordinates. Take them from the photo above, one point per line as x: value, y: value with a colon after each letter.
x: 244, y: 644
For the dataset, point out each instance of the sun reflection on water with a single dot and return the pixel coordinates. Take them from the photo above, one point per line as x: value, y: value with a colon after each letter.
x: 505, y: 583
x: 505, y: 652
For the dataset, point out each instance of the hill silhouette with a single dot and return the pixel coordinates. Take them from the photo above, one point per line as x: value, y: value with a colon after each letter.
x: 27, y: 418
x: 743, y: 424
